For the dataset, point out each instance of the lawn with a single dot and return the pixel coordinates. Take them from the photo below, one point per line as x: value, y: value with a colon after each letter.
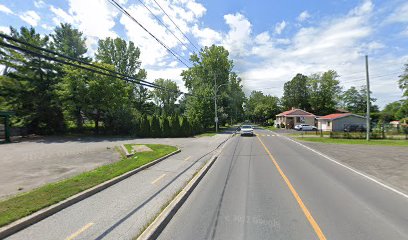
x: 210, y: 133
x: 27, y: 203
x: 384, y: 142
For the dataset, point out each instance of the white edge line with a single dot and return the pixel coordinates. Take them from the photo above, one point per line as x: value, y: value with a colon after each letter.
x: 345, y: 166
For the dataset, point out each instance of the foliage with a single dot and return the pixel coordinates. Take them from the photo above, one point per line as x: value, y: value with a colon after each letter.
x: 324, y: 92
x: 296, y: 94
x: 211, y: 72
x: 29, y: 83
x: 355, y: 100
x: 155, y: 128
x: 69, y: 41
x: 166, y: 97
x: 260, y: 107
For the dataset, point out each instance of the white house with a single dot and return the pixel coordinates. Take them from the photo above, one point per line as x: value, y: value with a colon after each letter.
x: 339, y: 121
x: 294, y: 117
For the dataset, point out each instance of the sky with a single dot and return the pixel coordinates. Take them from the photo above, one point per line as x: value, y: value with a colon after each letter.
x: 269, y: 41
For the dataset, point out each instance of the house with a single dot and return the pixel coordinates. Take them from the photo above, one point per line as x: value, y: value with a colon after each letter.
x: 294, y: 117
x: 395, y: 124
x: 337, y: 122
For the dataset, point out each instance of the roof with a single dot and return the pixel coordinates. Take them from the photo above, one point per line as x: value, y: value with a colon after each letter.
x: 396, y: 121
x: 338, y: 115
x: 296, y: 112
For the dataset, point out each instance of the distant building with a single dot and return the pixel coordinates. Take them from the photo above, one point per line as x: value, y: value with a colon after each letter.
x: 293, y: 117
x: 395, y: 124
x: 337, y: 122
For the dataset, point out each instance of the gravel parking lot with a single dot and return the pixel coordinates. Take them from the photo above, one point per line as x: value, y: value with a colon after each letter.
x: 386, y: 163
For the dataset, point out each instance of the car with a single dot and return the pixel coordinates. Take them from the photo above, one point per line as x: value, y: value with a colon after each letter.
x: 305, y: 127
x: 246, y: 130
x: 354, y: 128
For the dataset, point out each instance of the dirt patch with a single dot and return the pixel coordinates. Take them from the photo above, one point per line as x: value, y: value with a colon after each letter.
x: 141, y: 148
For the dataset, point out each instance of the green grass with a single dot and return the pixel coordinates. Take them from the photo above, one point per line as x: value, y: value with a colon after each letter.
x: 384, y: 142
x: 271, y: 128
x: 27, y: 203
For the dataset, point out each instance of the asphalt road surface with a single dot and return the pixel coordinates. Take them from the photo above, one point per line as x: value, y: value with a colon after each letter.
x: 269, y: 187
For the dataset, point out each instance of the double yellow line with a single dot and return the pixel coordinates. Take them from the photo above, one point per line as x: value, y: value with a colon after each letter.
x: 307, y: 213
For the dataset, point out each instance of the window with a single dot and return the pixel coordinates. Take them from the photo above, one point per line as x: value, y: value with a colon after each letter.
x: 328, y: 123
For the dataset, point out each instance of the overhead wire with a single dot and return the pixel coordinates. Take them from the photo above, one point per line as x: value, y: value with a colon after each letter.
x: 121, y: 9
x: 110, y: 74
x: 176, y: 25
x: 161, y: 22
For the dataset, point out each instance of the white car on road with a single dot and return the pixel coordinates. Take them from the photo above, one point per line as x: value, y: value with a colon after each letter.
x: 247, y: 130
x: 305, y: 127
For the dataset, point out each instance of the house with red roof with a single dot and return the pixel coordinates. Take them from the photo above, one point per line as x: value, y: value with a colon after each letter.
x: 293, y: 117
x: 337, y: 122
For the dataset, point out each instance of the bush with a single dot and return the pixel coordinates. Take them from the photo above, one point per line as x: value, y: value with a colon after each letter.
x: 165, y: 127
x: 144, y: 127
x: 155, y: 129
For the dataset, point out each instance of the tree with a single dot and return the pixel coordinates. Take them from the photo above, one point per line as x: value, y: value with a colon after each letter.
x: 125, y: 58
x: 155, y: 128
x: 260, y: 107
x: 211, y: 68
x: 296, y: 94
x: 355, y: 100
x: 166, y: 98
x: 403, y: 82
x: 105, y: 95
x: 69, y: 41
x: 29, y: 85
x: 324, y: 92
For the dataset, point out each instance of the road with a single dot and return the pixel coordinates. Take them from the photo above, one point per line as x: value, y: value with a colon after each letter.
x: 269, y: 187
x: 122, y: 210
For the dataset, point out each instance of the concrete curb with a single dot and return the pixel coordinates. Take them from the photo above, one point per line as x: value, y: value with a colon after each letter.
x: 156, y: 227
x: 25, y: 222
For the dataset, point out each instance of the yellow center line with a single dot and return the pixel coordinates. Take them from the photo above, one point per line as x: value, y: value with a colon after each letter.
x: 158, y: 179
x: 307, y: 213
x: 187, y: 158
x: 83, y: 229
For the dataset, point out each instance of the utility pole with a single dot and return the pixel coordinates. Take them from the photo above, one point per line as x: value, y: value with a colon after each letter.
x: 215, y: 104
x: 368, y: 101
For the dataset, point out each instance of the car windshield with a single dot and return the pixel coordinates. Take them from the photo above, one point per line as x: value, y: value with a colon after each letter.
x: 246, y: 126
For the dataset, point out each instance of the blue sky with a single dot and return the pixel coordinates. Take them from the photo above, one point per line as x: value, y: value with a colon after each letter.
x: 269, y: 41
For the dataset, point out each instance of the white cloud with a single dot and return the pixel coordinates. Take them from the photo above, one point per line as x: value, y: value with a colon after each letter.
x: 60, y: 16
x: 47, y: 27
x: 30, y: 17
x: 238, y: 37
x: 5, y: 9
x: 5, y: 29
x: 206, y: 36
x: 279, y: 27
x: 400, y: 14
x: 39, y: 4
x: 303, y: 16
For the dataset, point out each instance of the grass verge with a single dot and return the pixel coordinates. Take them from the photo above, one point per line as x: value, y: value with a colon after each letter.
x: 27, y: 203
x: 210, y: 133
x: 384, y: 142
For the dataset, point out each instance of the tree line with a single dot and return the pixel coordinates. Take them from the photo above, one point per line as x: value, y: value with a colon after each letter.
x: 49, y: 97
x: 321, y: 94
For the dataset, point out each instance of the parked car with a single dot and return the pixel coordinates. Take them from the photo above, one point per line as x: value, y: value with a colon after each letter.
x: 354, y: 128
x: 305, y: 127
x: 247, y: 130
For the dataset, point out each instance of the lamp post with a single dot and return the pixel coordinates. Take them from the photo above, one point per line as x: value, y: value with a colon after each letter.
x: 215, y: 105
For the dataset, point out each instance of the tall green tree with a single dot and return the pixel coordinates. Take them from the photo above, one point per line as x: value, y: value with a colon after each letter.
x: 69, y: 41
x: 324, y: 91
x: 30, y: 85
x: 355, y: 100
x: 260, y: 107
x: 166, y: 98
x: 124, y: 56
x: 296, y: 94
x: 211, y: 69
x: 403, y: 82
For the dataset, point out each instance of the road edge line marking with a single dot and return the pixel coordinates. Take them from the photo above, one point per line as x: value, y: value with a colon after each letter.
x: 83, y: 229
x: 307, y: 213
x: 159, y: 178
x: 349, y: 168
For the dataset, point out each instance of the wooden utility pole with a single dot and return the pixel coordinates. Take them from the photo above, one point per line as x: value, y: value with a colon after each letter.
x: 368, y: 100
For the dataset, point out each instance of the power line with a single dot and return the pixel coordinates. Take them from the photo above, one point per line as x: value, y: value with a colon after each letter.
x: 176, y: 25
x: 110, y: 74
x: 158, y: 19
x: 121, y: 9
x: 373, y: 77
